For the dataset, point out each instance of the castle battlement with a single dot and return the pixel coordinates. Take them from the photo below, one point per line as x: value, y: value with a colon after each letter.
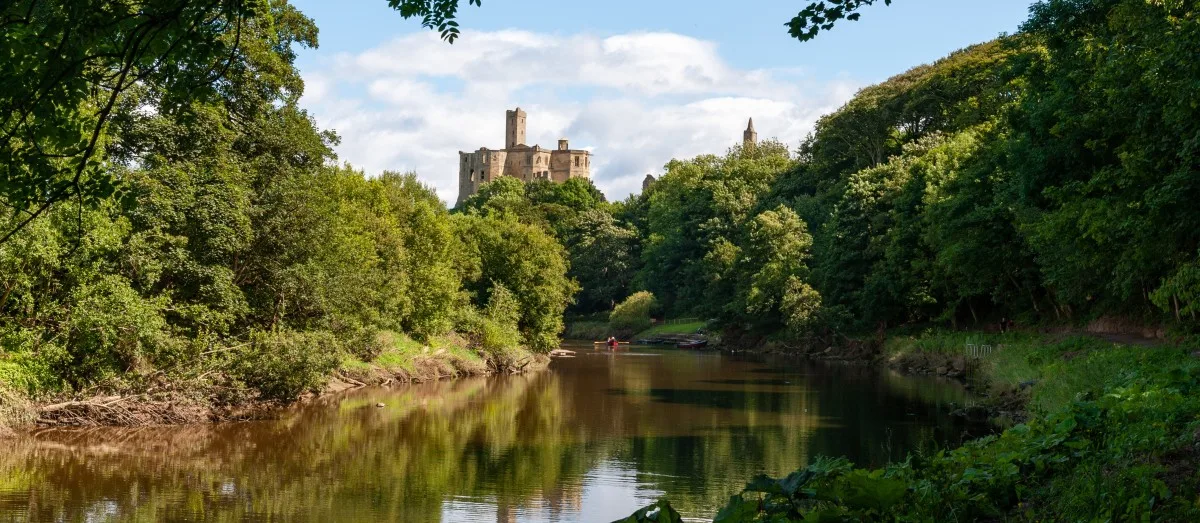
x: 519, y: 160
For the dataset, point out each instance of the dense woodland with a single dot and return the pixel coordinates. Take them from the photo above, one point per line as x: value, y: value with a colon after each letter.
x: 170, y: 217
x: 215, y: 235
x: 1047, y: 176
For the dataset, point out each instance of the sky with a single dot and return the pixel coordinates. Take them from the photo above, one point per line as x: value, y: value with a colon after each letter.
x: 637, y: 83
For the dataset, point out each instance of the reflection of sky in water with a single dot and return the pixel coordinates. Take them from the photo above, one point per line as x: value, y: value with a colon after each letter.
x: 604, y: 495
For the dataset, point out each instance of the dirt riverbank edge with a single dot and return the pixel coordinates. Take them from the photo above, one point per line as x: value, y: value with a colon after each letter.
x: 203, y: 401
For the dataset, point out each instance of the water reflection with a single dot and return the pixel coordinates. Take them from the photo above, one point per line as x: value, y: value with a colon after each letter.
x: 592, y: 440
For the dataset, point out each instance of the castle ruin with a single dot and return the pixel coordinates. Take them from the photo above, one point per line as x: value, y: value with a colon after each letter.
x: 518, y: 160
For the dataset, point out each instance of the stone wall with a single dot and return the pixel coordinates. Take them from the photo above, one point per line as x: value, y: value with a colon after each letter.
x: 518, y: 160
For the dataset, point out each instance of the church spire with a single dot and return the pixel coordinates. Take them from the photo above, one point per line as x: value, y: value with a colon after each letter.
x: 749, y: 137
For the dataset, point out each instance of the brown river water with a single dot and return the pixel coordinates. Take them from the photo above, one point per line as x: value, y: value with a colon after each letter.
x: 592, y: 439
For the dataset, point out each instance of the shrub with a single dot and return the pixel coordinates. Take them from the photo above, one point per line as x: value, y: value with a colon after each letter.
x: 283, y: 365
x: 633, y: 314
x: 111, y: 330
x: 495, y: 329
x: 368, y: 344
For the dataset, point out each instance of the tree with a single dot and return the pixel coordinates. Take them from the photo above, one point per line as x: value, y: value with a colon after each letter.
x: 71, y: 64
x: 693, y: 220
x: 774, y: 282
x: 633, y: 314
x: 526, y: 260
x: 604, y: 257
x: 1104, y: 157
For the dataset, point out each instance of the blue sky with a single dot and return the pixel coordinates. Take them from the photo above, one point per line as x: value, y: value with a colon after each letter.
x: 636, y: 82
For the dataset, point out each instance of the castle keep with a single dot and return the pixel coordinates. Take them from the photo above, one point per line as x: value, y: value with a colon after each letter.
x: 519, y: 160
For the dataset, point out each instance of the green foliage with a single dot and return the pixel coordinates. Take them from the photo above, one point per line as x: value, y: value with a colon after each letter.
x: 282, y: 365
x: 996, y: 182
x: 495, y: 329
x: 435, y: 14
x: 1114, y: 426
x: 697, y: 220
x: 827, y: 489
x: 1180, y: 292
x: 604, y: 257
x: 633, y: 314
x: 660, y: 512
x: 499, y: 250
x: 602, y: 252
x: 819, y: 16
x: 233, y: 227
x: 1105, y: 185
x: 776, y: 252
x: 75, y: 65
x: 71, y: 64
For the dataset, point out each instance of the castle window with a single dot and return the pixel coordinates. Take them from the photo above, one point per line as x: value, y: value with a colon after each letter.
x: 576, y: 161
x: 472, y: 175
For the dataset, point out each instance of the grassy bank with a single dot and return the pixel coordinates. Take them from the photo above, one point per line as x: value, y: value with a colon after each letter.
x: 196, y: 395
x: 592, y: 330
x: 406, y: 360
x: 587, y: 330
x: 667, y: 329
x: 1113, y: 433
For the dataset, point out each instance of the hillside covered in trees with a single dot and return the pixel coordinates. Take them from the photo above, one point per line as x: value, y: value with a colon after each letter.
x: 1048, y: 176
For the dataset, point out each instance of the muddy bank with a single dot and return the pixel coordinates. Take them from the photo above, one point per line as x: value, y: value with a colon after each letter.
x: 213, y: 400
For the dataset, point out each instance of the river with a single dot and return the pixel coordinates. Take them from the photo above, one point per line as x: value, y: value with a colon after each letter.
x: 592, y: 439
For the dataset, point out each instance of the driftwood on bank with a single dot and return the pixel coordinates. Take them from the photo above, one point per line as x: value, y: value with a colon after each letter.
x: 132, y: 410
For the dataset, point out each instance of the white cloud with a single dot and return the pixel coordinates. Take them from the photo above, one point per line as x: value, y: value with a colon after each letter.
x: 636, y: 100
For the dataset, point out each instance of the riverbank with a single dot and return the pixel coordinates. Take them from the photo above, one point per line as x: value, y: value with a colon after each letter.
x: 408, y: 361
x: 214, y: 397
x: 593, y: 330
x: 1099, y: 431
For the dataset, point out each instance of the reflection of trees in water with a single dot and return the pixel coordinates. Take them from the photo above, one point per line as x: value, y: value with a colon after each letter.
x: 692, y: 426
x: 348, y: 461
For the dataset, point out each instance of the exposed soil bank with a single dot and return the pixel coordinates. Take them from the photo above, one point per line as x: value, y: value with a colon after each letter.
x: 207, y: 401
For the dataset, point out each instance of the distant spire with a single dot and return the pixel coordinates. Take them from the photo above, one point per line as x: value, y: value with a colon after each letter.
x: 749, y: 136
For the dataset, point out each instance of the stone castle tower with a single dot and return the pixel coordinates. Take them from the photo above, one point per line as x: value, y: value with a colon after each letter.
x: 519, y: 160
x: 514, y: 128
x: 749, y: 136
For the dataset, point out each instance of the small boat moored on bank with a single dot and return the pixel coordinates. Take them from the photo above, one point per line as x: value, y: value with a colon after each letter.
x: 692, y: 344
